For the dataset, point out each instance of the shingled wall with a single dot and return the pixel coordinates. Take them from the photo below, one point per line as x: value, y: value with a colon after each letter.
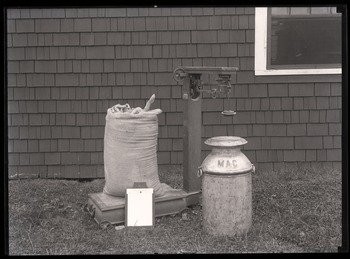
x: 67, y: 66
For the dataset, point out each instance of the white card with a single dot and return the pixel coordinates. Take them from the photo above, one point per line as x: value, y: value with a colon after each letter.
x: 139, y: 207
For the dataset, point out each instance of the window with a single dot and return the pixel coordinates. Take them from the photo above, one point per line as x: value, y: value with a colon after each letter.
x: 297, y: 40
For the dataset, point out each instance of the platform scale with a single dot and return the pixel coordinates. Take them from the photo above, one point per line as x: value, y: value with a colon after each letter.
x: 106, y: 209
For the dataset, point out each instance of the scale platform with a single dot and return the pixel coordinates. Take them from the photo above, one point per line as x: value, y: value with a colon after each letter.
x: 107, y: 209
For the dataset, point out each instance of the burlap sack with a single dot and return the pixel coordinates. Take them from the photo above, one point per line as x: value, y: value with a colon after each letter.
x: 130, y: 152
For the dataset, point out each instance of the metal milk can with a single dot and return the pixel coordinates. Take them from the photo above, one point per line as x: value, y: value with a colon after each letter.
x: 226, y: 187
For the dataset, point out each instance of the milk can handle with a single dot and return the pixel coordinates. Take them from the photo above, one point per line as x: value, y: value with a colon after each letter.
x: 200, y: 171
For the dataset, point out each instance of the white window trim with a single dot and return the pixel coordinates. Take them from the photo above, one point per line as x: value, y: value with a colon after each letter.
x: 261, y: 49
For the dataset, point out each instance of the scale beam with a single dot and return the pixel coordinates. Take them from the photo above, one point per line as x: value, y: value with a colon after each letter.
x: 181, y: 72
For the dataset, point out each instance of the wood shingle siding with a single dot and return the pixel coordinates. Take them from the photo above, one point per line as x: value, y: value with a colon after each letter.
x: 67, y: 66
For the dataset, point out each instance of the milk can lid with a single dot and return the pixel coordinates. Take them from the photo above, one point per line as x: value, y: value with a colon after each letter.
x: 225, y: 141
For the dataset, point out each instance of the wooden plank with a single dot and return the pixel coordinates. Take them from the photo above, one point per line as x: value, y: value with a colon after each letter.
x: 297, y: 79
x: 191, y: 140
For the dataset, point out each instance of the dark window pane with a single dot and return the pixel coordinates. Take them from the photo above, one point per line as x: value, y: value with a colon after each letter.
x: 305, y: 41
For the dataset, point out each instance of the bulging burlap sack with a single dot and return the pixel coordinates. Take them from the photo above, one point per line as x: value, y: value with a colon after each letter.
x: 130, y: 152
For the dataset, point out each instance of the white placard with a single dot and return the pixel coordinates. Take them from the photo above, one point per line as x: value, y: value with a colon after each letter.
x: 139, y: 207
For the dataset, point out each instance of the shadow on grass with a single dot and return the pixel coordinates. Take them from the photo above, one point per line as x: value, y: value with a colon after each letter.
x: 294, y: 210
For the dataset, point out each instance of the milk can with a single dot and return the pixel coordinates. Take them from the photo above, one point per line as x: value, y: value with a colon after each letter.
x: 226, y: 187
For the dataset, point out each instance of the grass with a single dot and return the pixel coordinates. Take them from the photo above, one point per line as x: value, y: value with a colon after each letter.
x: 294, y: 210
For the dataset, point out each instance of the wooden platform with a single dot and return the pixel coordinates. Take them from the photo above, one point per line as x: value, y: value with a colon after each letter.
x: 106, y: 209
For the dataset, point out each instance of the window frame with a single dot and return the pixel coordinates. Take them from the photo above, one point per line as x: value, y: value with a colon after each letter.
x: 261, y: 51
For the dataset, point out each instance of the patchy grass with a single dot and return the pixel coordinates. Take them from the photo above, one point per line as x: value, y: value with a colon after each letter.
x: 294, y: 210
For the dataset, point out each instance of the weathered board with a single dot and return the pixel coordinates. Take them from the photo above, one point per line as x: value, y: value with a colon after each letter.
x: 192, y: 139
